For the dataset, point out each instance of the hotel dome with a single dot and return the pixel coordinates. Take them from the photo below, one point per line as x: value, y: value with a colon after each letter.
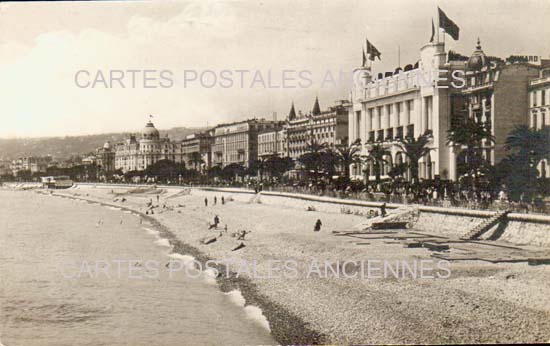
x: 478, y: 60
x: 150, y: 132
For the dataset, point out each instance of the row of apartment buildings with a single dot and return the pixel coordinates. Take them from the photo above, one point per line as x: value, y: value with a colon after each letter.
x: 242, y: 142
x: 441, y: 89
x: 41, y: 164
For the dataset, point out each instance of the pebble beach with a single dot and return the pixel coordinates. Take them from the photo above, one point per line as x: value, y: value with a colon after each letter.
x: 478, y: 302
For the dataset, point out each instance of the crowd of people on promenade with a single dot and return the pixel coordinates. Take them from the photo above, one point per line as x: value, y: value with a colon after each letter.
x: 442, y: 194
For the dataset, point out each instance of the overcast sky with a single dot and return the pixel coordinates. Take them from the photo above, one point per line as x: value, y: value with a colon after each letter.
x: 43, y: 46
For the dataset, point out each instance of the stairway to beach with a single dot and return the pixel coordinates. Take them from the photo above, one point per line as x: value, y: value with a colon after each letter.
x: 484, y: 226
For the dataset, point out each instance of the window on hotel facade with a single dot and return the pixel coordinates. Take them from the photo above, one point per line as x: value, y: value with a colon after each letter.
x: 371, y: 116
x: 534, y: 96
x: 410, y: 130
x: 543, y: 97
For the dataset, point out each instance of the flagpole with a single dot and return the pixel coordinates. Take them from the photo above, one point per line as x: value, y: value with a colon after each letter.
x: 369, y: 61
x: 398, y: 56
x: 438, y: 25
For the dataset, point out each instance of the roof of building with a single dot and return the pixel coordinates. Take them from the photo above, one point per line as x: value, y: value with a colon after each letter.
x: 316, y: 109
x: 150, y: 129
x: 478, y: 60
x: 292, y: 113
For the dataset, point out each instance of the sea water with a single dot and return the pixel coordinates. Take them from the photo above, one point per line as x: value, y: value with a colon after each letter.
x: 46, y: 299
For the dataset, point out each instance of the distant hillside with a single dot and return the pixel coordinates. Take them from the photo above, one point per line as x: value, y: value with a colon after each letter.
x: 65, y: 147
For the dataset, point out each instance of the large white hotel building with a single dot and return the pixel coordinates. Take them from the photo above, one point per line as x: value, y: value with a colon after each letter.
x: 406, y: 103
x: 438, y: 90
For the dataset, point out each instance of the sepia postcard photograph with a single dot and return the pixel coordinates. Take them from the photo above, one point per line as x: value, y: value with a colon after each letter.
x: 274, y: 172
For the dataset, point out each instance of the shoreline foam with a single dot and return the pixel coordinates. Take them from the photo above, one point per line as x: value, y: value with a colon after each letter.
x: 283, y: 325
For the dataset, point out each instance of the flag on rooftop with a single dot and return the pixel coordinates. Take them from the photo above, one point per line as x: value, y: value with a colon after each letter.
x: 448, y: 25
x: 433, y: 31
x: 372, y: 52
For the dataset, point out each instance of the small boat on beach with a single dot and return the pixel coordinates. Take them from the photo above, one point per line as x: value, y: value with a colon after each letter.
x: 57, y: 182
x: 389, y: 225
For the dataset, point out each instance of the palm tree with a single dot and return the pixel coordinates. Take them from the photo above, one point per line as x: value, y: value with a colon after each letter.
x: 470, y: 134
x: 329, y: 161
x: 312, y: 159
x: 316, y: 147
x: 276, y: 165
x: 415, y: 149
x: 214, y: 171
x: 195, y: 159
x: 519, y: 169
x: 397, y: 171
x: 231, y: 171
x: 348, y: 155
x: 376, y: 156
x: 531, y: 145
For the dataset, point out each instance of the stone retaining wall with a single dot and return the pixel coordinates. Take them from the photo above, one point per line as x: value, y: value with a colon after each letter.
x: 520, y: 229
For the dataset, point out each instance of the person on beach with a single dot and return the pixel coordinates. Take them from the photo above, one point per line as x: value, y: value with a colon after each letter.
x: 215, y: 200
x: 223, y: 200
x: 318, y: 225
x: 206, y: 202
x: 383, y: 210
x: 216, y: 221
x: 157, y: 198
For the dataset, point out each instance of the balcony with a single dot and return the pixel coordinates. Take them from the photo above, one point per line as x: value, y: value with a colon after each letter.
x: 539, y: 81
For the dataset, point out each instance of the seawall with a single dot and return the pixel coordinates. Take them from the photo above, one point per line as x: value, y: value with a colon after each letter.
x: 519, y: 229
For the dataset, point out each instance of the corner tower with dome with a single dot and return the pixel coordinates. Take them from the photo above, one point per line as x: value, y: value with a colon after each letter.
x: 106, y: 157
x: 141, y: 150
x: 495, y: 94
